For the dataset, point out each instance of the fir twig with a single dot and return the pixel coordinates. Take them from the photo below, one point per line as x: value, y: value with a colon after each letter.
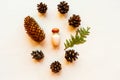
x: 79, y: 37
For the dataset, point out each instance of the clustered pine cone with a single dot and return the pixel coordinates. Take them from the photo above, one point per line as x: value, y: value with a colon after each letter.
x: 42, y: 8
x: 71, y: 55
x: 55, y: 66
x: 63, y: 7
x: 33, y: 29
x: 74, y: 20
x: 37, y: 55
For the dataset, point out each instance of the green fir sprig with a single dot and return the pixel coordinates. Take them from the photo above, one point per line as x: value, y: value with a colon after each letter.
x: 79, y: 37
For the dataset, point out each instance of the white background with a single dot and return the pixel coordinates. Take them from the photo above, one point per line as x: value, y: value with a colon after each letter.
x: 99, y: 57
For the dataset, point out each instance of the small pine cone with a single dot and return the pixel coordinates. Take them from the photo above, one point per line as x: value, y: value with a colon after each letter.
x: 74, y: 20
x: 33, y: 29
x: 71, y: 55
x: 55, y: 66
x: 37, y: 55
x: 42, y: 8
x: 63, y: 7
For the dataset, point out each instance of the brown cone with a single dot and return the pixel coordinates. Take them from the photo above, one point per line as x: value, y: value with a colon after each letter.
x: 33, y: 29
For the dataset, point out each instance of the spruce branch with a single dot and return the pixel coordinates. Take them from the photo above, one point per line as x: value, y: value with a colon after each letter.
x: 79, y: 37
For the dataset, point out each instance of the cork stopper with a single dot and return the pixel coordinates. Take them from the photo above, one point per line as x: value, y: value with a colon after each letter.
x: 55, y: 30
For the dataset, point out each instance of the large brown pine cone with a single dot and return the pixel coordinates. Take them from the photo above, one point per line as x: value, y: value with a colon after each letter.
x: 33, y: 29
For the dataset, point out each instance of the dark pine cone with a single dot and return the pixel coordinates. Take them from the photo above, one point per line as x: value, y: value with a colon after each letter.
x: 74, y: 20
x: 55, y: 67
x: 42, y: 8
x: 33, y: 29
x: 63, y: 7
x: 71, y: 55
x: 37, y: 55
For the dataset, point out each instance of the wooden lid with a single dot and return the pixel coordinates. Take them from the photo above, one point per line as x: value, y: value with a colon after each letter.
x: 55, y: 30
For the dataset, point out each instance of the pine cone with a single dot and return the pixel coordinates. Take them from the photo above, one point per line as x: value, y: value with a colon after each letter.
x: 55, y: 66
x: 37, y: 55
x: 74, y: 20
x: 71, y: 55
x: 33, y: 29
x: 63, y: 7
x: 42, y: 8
